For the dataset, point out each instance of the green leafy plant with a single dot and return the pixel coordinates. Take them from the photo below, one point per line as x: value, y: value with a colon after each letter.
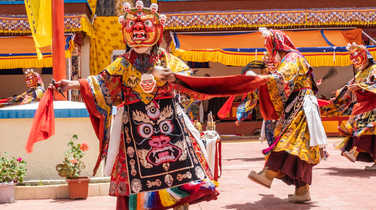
x: 12, y: 169
x: 72, y: 164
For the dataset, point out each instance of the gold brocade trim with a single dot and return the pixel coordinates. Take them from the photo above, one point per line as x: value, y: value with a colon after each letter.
x: 33, y: 61
x: 274, y: 95
x: 242, y: 58
x: 255, y: 26
x: 174, y: 63
x: 201, y: 21
x: 116, y: 67
x: 20, y: 25
x: 97, y: 92
x: 131, y: 77
x: 295, y: 140
x: 362, y: 76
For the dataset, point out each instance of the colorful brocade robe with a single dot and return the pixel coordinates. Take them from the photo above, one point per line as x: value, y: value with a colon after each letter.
x: 32, y: 94
x: 157, y: 150
x: 364, y: 122
x: 246, y: 106
x: 289, y: 98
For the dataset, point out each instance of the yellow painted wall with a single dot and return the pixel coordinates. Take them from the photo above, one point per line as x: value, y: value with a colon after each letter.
x: 42, y: 161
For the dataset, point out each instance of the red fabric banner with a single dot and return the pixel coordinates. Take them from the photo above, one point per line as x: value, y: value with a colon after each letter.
x: 218, y: 86
x: 43, y: 125
x: 58, y: 42
x: 366, y: 101
x: 323, y: 102
x: 96, y: 118
x: 266, y: 105
x: 226, y: 108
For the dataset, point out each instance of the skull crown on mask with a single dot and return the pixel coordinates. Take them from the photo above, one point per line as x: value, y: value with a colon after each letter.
x: 358, y: 55
x: 142, y: 26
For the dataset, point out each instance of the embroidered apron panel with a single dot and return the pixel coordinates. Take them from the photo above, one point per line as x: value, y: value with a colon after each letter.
x: 158, y: 148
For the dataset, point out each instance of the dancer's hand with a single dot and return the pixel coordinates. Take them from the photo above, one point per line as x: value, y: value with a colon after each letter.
x: 354, y: 88
x: 266, y: 77
x: 324, y: 153
x: 163, y: 73
x: 64, y: 85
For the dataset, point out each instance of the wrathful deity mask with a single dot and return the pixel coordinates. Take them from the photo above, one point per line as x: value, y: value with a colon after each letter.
x: 141, y: 26
x: 31, y: 78
x: 358, y: 55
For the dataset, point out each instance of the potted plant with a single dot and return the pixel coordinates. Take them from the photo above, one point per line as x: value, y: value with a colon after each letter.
x: 71, y: 169
x: 12, y: 171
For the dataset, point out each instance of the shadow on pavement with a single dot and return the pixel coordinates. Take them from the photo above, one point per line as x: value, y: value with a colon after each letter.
x: 245, y: 159
x: 349, y: 172
x: 269, y: 201
x: 66, y: 200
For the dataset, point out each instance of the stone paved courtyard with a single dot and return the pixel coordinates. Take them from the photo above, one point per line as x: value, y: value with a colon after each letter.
x: 337, y: 184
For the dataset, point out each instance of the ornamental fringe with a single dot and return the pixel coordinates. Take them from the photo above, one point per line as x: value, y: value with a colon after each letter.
x: 166, y: 198
x: 12, y: 62
x: 34, y: 62
x: 302, y: 18
x: 19, y: 26
x: 242, y: 59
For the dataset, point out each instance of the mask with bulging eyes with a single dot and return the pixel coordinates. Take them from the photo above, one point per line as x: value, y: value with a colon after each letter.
x: 358, y: 57
x: 31, y: 78
x: 142, y: 26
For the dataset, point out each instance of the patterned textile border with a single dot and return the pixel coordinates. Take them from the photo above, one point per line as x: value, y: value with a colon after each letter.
x: 232, y: 57
x: 20, y: 25
x: 271, y: 18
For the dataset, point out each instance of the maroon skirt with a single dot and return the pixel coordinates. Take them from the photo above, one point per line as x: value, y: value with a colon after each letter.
x: 366, y: 145
x: 296, y: 171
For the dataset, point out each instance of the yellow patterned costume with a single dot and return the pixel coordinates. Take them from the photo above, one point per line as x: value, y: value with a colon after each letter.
x: 287, y: 89
x: 158, y: 158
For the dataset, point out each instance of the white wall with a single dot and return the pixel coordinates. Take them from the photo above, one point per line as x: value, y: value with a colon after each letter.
x: 42, y: 161
x: 85, y: 58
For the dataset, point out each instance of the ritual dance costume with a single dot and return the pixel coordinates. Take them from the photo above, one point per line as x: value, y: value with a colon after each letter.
x: 34, y: 90
x: 159, y: 163
x: 360, y: 129
x: 289, y: 97
x: 250, y: 101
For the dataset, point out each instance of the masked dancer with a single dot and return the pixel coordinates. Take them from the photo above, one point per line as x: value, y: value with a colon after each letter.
x: 289, y: 97
x: 360, y: 93
x: 159, y: 163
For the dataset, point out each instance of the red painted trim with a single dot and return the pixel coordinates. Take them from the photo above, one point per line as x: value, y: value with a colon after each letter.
x: 96, y: 118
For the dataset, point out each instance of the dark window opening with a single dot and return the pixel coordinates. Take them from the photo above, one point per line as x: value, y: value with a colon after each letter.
x: 47, y: 70
x: 198, y: 64
x: 11, y: 71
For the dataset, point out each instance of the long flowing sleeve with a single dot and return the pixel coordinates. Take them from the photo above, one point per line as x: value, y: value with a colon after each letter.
x: 340, y: 105
x: 101, y: 92
x: 289, y: 77
x: 369, y: 84
x: 366, y: 96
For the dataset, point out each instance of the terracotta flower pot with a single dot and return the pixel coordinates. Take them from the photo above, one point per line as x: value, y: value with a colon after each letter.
x: 78, y: 187
x: 7, y: 192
